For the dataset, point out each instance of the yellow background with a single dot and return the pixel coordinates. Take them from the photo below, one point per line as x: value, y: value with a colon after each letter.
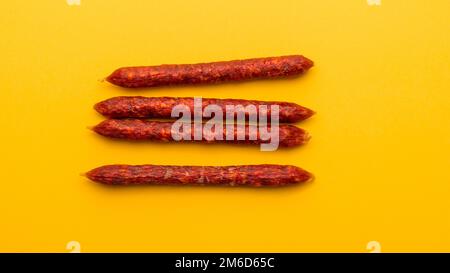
x: 381, y: 136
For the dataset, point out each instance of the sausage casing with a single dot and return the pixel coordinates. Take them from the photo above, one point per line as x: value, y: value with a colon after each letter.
x: 244, y: 175
x: 136, y: 129
x: 161, y: 107
x: 210, y: 73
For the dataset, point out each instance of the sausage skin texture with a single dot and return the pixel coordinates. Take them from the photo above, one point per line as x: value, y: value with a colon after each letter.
x: 136, y: 129
x: 161, y: 107
x: 210, y: 73
x: 244, y: 175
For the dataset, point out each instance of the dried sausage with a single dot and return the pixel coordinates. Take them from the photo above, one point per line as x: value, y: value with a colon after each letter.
x: 136, y: 129
x: 161, y: 107
x: 244, y: 175
x: 210, y: 73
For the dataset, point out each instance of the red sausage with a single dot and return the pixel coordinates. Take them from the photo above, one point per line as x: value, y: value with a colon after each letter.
x: 161, y: 107
x: 246, y: 175
x: 209, y: 73
x: 136, y: 129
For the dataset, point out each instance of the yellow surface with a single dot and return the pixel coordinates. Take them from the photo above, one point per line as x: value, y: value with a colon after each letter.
x: 381, y: 137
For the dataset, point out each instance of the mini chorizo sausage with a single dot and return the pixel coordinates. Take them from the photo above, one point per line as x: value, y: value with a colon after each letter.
x: 136, y: 129
x: 244, y: 175
x: 210, y: 73
x: 161, y: 107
